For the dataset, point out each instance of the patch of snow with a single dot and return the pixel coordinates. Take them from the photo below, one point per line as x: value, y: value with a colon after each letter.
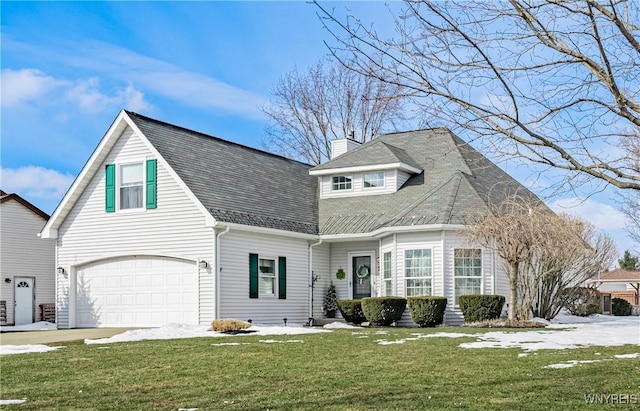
x: 571, y: 363
x: 522, y: 354
x: 419, y: 336
x: 11, y: 402
x: 382, y: 332
x: 177, y: 331
x: 597, y: 330
x: 234, y: 343
x: 338, y: 325
x: 24, y: 349
x: 280, y: 341
x: 386, y: 342
x: 634, y: 355
x: 363, y: 336
x: 39, y: 326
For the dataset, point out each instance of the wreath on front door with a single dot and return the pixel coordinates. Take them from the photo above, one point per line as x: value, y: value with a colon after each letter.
x: 362, y: 272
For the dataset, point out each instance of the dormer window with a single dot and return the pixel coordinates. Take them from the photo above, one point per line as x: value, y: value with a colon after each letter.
x: 342, y: 183
x: 373, y: 180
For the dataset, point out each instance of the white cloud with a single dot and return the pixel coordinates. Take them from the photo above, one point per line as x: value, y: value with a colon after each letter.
x: 33, y: 182
x: 88, y: 96
x: 603, y: 216
x: 25, y: 85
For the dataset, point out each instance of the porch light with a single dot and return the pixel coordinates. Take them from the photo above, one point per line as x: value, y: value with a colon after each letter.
x: 61, y: 270
x: 203, y: 264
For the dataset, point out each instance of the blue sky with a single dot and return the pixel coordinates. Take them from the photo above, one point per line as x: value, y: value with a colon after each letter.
x: 68, y: 68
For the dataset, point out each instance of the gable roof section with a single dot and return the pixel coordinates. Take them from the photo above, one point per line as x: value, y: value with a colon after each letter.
x: 619, y: 276
x: 457, y: 184
x: 4, y: 197
x: 235, y: 183
x: 372, y: 154
x: 231, y: 183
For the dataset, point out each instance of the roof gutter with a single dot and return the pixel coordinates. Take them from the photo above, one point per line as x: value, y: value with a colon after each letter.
x: 393, y: 230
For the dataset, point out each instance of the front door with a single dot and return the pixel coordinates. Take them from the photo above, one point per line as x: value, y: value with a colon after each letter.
x: 23, y: 313
x: 361, y: 275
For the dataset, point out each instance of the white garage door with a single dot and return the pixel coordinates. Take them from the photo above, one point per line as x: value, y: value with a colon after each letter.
x: 137, y: 291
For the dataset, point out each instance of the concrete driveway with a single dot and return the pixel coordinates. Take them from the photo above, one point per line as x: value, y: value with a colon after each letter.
x: 54, y: 336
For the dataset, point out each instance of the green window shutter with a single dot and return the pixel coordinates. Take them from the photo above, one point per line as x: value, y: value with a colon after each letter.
x: 282, y: 278
x: 253, y: 275
x: 151, y: 183
x: 110, y: 188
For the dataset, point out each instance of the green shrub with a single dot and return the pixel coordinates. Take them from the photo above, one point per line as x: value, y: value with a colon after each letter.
x: 582, y: 301
x: 351, y: 311
x: 427, y: 311
x: 620, y: 306
x: 477, y: 307
x: 383, y: 310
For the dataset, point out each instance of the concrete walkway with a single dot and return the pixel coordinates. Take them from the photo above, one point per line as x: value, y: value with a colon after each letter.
x: 54, y: 336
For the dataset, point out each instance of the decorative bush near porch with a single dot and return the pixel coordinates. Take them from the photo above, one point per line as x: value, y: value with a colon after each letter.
x: 383, y: 310
x: 351, y: 311
x: 476, y: 307
x: 620, y: 306
x: 427, y: 311
x: 228, y: 324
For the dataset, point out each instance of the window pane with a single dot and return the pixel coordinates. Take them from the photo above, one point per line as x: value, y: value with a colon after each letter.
x: 387, y: 265
x: 417, y: 263
x: 388, y: 288
x: 464, y: 286
x: 467, y: 262
x: 373, y: 180
x: 342, y: 183
x: 131, y: 197
x: 131, y: 174
x: 418, y: 287
x: 267, y: 285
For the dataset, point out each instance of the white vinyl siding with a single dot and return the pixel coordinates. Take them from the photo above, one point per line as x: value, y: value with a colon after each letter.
x: 175, y: 229
x: 324, y: 275
x: 25, y: 255
x: 235, y: 302
x: 467, y: 270
x: 340, y: 259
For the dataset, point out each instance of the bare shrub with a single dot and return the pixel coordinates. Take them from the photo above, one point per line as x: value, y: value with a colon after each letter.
x: 227, y: 324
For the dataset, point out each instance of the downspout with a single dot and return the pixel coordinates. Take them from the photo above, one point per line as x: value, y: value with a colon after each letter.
x: 218, y: 271
x: 311, y: 280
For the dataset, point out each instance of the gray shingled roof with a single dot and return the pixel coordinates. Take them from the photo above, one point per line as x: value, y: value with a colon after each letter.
x: 457, y: 184
x: 375, y: 152
x: 238, y: 184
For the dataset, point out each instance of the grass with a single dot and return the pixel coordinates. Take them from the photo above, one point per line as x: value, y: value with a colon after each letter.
x: 337, y: 371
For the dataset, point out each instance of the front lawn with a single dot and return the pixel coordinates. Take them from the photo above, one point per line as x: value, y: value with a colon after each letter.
x: 342, y: 370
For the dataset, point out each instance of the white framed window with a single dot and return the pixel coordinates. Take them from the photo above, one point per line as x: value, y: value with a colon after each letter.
x: 341, y: 183
x: 467, y: 271
x: 418, y: 272
x: 373, y: 180
x: 267, y: 276
x: 387, y: 274
x: 131, y: 185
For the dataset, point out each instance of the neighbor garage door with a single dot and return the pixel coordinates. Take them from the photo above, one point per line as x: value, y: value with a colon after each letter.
x: 137, y: 291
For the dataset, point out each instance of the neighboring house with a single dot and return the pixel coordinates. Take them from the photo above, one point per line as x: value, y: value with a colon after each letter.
x: 164, y: 224
x: 27, y: 270
x: 620, y: 284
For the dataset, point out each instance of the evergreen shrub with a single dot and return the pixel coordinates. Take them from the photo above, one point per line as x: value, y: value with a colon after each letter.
x: 481, y: 307
x: 620, y: 306
x: 383, y: 310
x: 427, y: 311
x: 351, y: 311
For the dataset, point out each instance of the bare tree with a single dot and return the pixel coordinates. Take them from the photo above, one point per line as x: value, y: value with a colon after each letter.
x: 552, y: 81
x: 516, y: 230
x: 560, y: 271
x: 328, y: 102
x: 630, y: 199
x: 544, y: 254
